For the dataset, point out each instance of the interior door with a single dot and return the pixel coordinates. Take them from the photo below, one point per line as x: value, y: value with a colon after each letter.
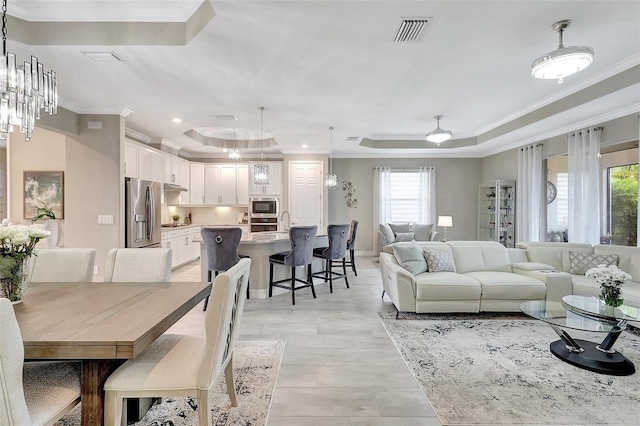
x: 305, y: 193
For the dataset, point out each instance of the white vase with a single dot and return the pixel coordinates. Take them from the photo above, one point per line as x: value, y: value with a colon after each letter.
x: 52, y: 226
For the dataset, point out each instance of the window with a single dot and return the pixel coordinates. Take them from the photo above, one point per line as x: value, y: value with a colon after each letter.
x: 622, y: 205
x: 406, y: 195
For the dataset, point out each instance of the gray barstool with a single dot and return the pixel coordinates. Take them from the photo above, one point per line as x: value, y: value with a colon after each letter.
x: 336, y: 250
x: 302, y: 239
x: 351, y: 246
x: 222, y: 251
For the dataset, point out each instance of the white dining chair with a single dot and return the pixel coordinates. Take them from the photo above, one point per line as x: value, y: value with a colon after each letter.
x: 62, y: 265
x: 186, y: 365
x: 138, y: 265
x: 36, y: 393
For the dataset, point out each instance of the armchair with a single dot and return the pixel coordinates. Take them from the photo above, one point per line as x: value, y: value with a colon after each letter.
x: 389, y: 233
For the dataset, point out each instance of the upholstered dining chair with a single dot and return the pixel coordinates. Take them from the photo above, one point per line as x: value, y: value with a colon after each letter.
x: 186, y: 365
x: 36, y: 393
x: 351, y: 247
x: 302, y: 240
x: 58, y: 265
x: 222, y: 251
x: 336, y: 250
x: 138, y: 265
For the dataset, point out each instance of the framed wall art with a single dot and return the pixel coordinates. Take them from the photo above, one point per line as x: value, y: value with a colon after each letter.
x: 43, y: 189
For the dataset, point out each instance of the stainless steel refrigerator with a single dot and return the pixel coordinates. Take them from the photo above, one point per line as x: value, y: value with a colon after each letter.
x: 142, y: 213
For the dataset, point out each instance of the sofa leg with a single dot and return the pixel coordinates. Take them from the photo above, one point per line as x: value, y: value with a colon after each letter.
x: 383, y: 294
x: 397, y: 313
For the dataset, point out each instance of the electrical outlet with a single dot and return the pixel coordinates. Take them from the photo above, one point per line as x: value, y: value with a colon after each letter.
x: 95, y: 270
x: 105, y: 219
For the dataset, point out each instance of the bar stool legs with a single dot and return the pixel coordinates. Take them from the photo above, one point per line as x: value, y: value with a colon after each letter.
x: 293, y: 279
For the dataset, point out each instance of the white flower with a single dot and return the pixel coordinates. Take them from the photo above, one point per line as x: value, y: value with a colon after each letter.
x: 3, y: 233
x: 18, y: 234
x: 608, y: 275
x: 38, y: 231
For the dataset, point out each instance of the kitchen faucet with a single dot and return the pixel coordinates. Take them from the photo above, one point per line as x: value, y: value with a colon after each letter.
x: 288, y: 225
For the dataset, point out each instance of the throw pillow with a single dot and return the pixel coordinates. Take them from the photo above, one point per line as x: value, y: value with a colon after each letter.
x: 387, y: 232
x: 422, y: 232
x: 439, y: 261
x: 410, y: 257
x: 404, y: 236
x: 580, y: 263
x: 400, y: 227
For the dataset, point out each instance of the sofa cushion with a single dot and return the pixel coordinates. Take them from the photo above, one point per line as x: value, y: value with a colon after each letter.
x: 400, y: 227
x: 387, y: 232
x: 509, y: 286
x: 439, y: 261
x: 404, y: 237
x: 422, y: 232
x: 555, y: 254
x: 629, y: 257
x: 447, y: 286
x: 410, y: 257
x: 472, y: 256
x: 580, y: 263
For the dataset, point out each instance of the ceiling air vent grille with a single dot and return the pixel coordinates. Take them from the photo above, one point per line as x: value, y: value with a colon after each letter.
x: 353, y: 138
x: 409, y: 30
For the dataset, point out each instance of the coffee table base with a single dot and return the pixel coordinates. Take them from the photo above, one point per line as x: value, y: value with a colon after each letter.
x: 593, y: 359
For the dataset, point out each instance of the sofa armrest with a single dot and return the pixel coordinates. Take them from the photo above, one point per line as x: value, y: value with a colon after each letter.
x: 435, y: 236
x: 398, y: 283
x: 531, y: 266
x: 382, y: 240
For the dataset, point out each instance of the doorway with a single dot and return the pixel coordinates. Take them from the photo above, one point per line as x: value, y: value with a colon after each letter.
x: 305, y: 193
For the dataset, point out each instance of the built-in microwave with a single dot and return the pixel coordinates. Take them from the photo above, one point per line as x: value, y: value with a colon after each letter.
x: 263, y: 207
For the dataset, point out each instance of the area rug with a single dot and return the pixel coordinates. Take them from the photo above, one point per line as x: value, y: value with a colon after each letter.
x: 500, y: 371
x: 256, y: 366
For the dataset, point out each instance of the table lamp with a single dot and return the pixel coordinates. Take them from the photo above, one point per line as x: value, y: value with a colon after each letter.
x: 445, y: 222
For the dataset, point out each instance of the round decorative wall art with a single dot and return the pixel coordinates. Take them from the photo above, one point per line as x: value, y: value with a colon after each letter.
x: 551, y: 192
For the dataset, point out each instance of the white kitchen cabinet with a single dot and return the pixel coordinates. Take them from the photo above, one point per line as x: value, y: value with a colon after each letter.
x: 180, y: 241
x: 170, y: 168
x: 130, y: 160
x: 221, y: 184
x: 242, y: 184
x: 157, y: 167
x: 184, y: 176
x: 274, y: 188
x: 196, y: 184
x: 144, y: 163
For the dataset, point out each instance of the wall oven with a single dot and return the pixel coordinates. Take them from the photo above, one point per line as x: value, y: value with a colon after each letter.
x: 263, y: 208
x: 264, y: 224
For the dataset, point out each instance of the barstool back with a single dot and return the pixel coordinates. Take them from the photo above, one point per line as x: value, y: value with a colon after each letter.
x: 302, y: 240
x: 222, y: 247
x: 337, y: 242
x: 351, y: 243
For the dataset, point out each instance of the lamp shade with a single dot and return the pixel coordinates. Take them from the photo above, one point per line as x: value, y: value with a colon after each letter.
x: 445, y: 221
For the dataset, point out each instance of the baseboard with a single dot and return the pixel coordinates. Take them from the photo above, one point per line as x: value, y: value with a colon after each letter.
x: 366, y: 253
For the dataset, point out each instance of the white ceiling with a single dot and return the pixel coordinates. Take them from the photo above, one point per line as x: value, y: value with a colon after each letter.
x: 315, y: 64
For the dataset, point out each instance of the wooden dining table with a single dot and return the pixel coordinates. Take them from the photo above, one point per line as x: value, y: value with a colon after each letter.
x: 101, y: 324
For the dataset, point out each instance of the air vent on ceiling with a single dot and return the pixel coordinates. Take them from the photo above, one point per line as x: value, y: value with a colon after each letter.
x: 103, y: 56
x: 409, y: 30
x: 226, y: 117
x: 352, y: 138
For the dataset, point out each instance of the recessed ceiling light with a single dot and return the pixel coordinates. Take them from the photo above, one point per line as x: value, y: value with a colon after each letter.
x: 103, y: 56
x: 226, y: 117
x: 176, y: 120
x: 305, y: 146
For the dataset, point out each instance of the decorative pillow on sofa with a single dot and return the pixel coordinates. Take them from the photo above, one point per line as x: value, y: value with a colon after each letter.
x: 439, y: 261
x: 387, y: 232
x: 422, y: 232
x: 400, y: 227
x: 404, y: 236
x: 580, y: 263
x: 410, y: 257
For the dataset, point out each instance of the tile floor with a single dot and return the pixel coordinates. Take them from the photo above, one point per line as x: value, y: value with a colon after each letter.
x: 339, y: 367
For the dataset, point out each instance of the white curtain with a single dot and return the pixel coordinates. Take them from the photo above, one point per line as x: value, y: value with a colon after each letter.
x: 584, y: 186
x: 427, y: 213
x: 381, y: 200
x: 529, y: 195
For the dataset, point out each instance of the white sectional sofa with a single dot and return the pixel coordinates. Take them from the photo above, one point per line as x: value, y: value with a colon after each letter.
x: 483, y: 279
x: 567, y: 280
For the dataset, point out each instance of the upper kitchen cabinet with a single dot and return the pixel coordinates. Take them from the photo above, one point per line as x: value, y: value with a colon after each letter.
x: 196, y: 184
x: 184, y: 180
x: 130, y: 159
x: 222, y: 185
x: 274, y: 188
x: 170, y: 168
x: 242, y: 180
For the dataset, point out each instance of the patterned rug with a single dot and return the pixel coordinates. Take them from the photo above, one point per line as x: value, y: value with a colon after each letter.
x: 256, y: 366
x: 500, y: 371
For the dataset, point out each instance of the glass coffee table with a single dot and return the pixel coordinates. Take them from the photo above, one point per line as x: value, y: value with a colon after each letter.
x: 586, y: 314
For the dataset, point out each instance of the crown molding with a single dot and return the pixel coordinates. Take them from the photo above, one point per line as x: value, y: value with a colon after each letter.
x: 134, y: 134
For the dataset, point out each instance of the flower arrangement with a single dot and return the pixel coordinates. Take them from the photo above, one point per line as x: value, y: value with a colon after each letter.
x: 610, y: 278
x: 17, y: 243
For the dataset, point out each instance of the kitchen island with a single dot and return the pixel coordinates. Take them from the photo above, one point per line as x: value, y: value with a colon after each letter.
x: 259, y: 246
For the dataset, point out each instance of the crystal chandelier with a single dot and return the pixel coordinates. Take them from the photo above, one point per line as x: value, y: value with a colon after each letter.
x: 234, y: 153
x: 438, y: 135
x: 261, y: 170
x: 331, y: 179
x: 563, y: 61
x: 24, y: 90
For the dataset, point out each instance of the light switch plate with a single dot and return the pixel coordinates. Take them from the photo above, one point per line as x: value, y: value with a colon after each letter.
x: 95, y: 270
x: 105, y: 219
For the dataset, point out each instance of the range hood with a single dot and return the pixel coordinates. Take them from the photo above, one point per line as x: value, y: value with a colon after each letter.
x: 172, y: 187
